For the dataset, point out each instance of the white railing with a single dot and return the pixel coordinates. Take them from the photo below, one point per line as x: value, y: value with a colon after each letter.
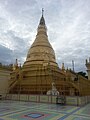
x: 70, y: 100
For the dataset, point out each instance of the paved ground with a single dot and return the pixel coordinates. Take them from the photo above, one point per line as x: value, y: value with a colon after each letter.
x: 17, y: 110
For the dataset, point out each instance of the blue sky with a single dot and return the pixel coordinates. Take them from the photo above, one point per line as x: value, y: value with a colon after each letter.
x: 67, y: 21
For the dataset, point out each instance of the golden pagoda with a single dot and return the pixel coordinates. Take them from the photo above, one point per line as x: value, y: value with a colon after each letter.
x: 40, y: 69
x: 40, y: 73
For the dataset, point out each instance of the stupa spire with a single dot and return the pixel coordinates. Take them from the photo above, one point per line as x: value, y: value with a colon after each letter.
x: 42, y: 20
x: 42, y: 11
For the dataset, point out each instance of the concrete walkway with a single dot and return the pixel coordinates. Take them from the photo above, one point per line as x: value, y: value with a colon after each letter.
x: 18, y: 110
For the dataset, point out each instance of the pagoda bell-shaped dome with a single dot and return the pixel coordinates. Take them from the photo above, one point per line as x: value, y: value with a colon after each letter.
x: 41, y: 50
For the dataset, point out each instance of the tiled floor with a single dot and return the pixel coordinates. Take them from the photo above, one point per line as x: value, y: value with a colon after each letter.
x: 17, y: 110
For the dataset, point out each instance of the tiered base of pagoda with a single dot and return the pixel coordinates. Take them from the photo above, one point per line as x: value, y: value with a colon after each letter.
x: 38, y: 80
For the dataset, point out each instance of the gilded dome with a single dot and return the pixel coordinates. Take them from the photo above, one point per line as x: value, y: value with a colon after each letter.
x: 41, y: 49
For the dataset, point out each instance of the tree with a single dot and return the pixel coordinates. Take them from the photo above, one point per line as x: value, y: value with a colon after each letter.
x: 82, y: 74
x: 0, y: 64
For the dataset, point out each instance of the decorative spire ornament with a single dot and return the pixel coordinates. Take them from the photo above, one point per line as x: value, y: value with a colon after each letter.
x: 42, y: 11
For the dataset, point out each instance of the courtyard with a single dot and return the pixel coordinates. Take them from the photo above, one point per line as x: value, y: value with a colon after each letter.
x: 21, y: 110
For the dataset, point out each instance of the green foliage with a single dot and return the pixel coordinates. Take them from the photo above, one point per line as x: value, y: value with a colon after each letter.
x: 8, y: 67
x: 82, y: 74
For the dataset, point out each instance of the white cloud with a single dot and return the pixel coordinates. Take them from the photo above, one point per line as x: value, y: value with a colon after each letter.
x: 67, y: 22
